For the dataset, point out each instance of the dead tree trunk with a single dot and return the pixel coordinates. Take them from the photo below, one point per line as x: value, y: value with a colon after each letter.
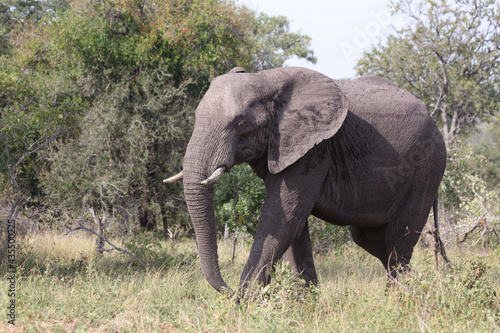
x: 100, y: 230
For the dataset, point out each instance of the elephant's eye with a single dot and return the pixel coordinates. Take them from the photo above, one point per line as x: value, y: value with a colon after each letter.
x: 241, y: 124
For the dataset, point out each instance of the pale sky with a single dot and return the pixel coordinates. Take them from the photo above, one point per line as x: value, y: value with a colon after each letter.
x: 340, y: 29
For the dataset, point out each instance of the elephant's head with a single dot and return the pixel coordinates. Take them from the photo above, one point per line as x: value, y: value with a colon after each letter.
x: 275, y: 116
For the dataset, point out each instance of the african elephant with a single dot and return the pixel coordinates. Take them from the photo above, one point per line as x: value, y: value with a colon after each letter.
x: 361, y: 153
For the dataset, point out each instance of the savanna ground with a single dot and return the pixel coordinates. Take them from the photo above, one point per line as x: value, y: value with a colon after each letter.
x: 63, y: 285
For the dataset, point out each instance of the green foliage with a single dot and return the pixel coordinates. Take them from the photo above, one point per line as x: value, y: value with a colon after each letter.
x: 285, y: 289
x: 36, y: 109
x: 15, y: 12
x: 273, y: 43
x: 182, y: 40
x: 464, y: 190
x: 483, y: 204
x: 462, y: 159
x: 328, y: 238
x: 446, y: 56
x: 487, y: 144
x: 117, y: 163
x: 238, y: 199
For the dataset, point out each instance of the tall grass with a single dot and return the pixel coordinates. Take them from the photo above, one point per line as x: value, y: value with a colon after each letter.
x: 65, y: 285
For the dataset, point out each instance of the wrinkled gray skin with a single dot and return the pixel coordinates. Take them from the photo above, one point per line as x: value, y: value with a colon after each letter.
x: 361, y: 153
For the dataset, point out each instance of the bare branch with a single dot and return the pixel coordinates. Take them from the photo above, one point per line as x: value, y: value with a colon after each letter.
x: 114, y: 247
x: 33, y: 149
x: 469, y: 232
x: 179, y: 199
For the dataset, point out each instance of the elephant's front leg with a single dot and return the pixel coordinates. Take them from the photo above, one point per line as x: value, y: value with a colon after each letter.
x: 290, y: 198
x: 300, y: 257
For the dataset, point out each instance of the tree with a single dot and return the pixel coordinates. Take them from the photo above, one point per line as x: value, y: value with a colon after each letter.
x: 139, y: 74
x: 26, y: 129
x: 273, y: 43
x: 14, y: 12
x: 447, y: 56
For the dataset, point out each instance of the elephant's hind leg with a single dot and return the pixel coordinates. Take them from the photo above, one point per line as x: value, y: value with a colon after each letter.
x: 372, y: 240
x: 404, y: 233
x: 400, y: 250
x: 300, y: 257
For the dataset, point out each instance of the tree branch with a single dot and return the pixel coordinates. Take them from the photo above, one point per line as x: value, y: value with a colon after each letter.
x: 33, y: 149
x: 114, y: 247
x: 444, y: 99
x: 179, y: 199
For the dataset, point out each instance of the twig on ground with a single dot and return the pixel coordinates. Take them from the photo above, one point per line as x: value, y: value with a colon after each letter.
x: 114, y: 247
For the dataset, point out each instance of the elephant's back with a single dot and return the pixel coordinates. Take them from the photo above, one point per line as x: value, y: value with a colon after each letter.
x: 391, y: 133
x: 399, y: 117
x: 379, y: 101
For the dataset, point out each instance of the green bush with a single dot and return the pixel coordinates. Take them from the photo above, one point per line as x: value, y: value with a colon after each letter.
x: 284, y: 290
x: 239, y: 196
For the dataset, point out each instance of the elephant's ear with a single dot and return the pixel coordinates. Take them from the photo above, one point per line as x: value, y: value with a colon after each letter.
x: 308, y: 109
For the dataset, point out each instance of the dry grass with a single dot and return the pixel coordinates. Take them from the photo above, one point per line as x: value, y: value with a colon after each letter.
x: 64, y: 285
x: 72, y: 246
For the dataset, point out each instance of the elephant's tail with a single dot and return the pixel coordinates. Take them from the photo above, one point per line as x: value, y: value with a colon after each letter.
x: 436, y: 234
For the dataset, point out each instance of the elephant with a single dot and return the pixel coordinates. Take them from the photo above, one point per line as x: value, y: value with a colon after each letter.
x: 360, y: 153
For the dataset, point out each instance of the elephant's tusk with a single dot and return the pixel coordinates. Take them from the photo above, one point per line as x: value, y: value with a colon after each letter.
x: 175, y: 178
x: 215, y: 176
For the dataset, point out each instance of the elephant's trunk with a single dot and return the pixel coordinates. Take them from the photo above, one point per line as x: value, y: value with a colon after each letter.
x: 199, y: 199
